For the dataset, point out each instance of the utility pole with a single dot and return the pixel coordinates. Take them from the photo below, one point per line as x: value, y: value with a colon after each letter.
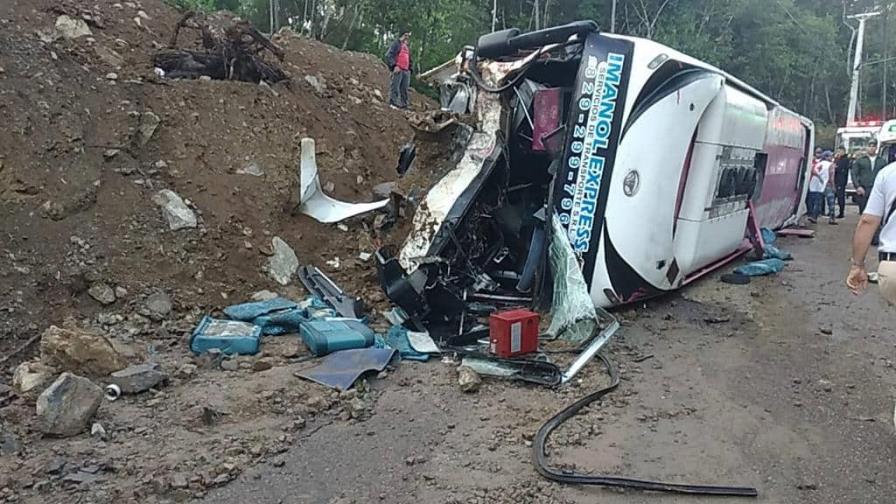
x: 537, y: 16
x: 883, y: 87
x: 857, y: 64
x: 494, y: 14
x: 613, y: 17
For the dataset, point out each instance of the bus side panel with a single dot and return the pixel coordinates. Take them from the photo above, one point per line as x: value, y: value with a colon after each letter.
x: 781, y: 188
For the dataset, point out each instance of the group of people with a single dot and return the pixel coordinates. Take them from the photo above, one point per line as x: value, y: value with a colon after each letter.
x: 830, y: 176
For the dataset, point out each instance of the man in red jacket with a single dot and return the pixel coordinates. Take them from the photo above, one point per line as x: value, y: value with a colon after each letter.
x: 399, y: 60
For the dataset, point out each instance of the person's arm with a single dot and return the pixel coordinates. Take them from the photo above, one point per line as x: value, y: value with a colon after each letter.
x: 858, y: 177
x: 391, y: 54
x: 857, y: 280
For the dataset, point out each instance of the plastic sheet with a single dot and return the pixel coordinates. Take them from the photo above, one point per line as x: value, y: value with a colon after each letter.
x: 397, y: 338
x: 573, y: 317
x: 249, y: 311
x: 771, y: 250
x: 275, y: 316
x: 760, y: 268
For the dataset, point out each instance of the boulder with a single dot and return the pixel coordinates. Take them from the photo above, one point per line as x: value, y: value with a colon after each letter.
x: 66, y: 407
x: 72, y: 28
x: 31, y: 377
x: 80, y: 351
x: 176, y: 212
x: 283, y: 264
x: 139, y: 378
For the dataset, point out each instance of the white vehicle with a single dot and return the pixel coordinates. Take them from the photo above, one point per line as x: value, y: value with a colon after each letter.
x: 654, y: 167
x: 887, y: 133
x: 855, y: 137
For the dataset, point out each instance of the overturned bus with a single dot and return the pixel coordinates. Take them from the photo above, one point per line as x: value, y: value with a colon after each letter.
x: 651, y: 165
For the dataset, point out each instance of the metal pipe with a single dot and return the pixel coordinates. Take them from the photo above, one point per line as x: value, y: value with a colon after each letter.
x: 596, y: 344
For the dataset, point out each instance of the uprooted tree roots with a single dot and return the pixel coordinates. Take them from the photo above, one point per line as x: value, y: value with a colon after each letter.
x: 235, y: 54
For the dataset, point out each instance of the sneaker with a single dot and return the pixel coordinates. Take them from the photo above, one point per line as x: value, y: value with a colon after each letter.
x: 840, y: 216
x: 833, y: 221
x: 394, y: 107
x: 873, y: 277
x: 812, y: 220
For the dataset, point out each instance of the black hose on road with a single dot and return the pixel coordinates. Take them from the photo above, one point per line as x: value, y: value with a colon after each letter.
x: 571, y: 477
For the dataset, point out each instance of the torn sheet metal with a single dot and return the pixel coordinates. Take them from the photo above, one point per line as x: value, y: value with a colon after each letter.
x: 341, y: 369
x: 312, y: 200
x: 530, y: 371
x: 445, y: 198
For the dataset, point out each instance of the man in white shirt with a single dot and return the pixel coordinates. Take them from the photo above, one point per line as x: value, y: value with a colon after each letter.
x: 820, y: 185
x: 880, y: 212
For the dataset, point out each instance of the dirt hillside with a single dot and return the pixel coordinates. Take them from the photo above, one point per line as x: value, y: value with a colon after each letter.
x: 77, y: 179
x: 91, y: 135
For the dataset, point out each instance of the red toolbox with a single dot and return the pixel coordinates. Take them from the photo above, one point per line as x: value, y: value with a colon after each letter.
x: 513, y: 333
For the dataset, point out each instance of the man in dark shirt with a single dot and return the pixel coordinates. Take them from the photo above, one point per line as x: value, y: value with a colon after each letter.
x: 841, y: 178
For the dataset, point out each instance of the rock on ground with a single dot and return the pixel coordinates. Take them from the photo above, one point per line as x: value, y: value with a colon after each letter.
x: 284, y: 263
x: 102, y: 293
x: 264, y: 295
x: 31, y: 376
x: 139, y: 378
x: 68, y: 405
x: 80, y: 351
x: 176, y: 212
x: 149, y: 123
x: 468, y: 379
x: 10, y: 443
x: 72, y: 28
x: 157, y: 306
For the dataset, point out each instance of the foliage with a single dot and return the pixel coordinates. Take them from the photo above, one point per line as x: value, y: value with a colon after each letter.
x: 797, y: 51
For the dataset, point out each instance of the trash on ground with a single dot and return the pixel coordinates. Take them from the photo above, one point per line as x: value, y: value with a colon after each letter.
x: 228, y: 336
x: 513, y: 333
x: 801, y: 233
x: 735, y: 279
x: 139, y: 378
x: 769, y: 238
x: 235, y: 55
x: 341, y: 369
x: 328, y: 335
x: 760, y: 268
x: 320, y: 285
x: 398, y: 338
x: 422, y: 342
x: 312, y: 200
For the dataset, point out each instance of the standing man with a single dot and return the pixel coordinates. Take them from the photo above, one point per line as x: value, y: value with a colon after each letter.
x: 819, y: 186
x: 878, y: 215
x: 864, y: 170
x: 841, y: 178
x: 400, y: 63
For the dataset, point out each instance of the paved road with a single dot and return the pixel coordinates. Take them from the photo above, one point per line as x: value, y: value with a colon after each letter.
x: 790, y: 390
